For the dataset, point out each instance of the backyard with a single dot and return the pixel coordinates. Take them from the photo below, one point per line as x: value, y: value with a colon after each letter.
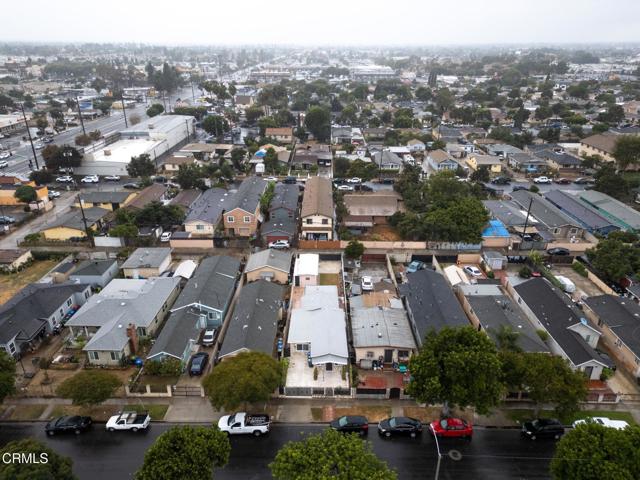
x: 11, y: 283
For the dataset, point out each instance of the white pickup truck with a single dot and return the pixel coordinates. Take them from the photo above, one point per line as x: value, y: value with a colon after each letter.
x: 245, y: 423
x: 604, y: 421
x: 129, y: 421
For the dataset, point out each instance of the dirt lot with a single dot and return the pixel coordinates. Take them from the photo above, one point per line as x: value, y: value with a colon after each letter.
x: 328, y: 413
x: 382, y: 233
x: 588, y: 287
x: 45, y: 382
x: 12, y: 282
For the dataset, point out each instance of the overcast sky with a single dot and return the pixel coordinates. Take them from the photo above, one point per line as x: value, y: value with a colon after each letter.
x: 322, y: 22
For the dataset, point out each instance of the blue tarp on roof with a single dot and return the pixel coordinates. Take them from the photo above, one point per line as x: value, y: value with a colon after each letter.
x: 495, y: 229
x: 260, y: 153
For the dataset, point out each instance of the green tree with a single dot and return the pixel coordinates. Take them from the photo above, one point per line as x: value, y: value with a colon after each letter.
x: 89, y: 387
x: 457, y: 367
x: 340, y: 167
x: 141, y: 166
x: 354, y: 249
x: 329, y: 455
x: 7, y: 375
x: 444, y: 99
x: 190, y: 176
x: 249, y: 377
x: 215, y: 125
x: 154, y: 110
x: 615, y: 259
x: 252, y: 114
x: 627, y: 151
x: 155, y: 213
x: 82, y: 140
x: 124, y: 230
x: 614, y: 114
x: 25, y: 194
x: 238, y: 156
x: 56, y: 466
x: 41, y: 177
x: 481, y: 174
x: 611, y: 182
x: 595, y: 452
x: 318, y: 122
x: 185, y: 453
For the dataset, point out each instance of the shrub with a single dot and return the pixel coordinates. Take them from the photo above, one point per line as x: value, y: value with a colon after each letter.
x: 543, y: 334
x: 580, y: 269
x: 606, y: 374
x: 490, y: 274
x: 163, y: 368
x: 315, y: 373
x: 525, y: 272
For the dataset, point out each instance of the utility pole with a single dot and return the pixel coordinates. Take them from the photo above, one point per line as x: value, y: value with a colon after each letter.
x: 193, y: 94
x: 164, y: 102
x: 84, y: 220
x: 80, y: 115
x: 187, y: 124
x: 33, y: 149
x: 439, y: 455
x: 526, y: 220
x: 124, y: 112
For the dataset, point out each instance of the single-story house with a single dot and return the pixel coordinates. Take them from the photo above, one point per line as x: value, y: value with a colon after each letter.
x: 387, y: 160
x: 97, y: 273
x: 147, y: 262
x: 438, y: 160
x: 155, y: 192
x: 525, y: 162
x: 558, y: 223
x: 306, y: 270
x: 371, y: 208
x: 105, y: 199
x: 173, y: 163
x: 71, y: 225
x: 276, y: 229
x: 12, y: 259
x: 493, y: 163
x: 253, y: 326
x: 270, y: 264
x: 282, y: 134
x: 555, y: 156
x: 589, y: 219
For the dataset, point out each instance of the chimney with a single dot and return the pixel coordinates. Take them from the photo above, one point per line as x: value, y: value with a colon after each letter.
x: 132, y: 335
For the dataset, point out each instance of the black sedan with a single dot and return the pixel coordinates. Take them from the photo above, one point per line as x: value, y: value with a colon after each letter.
x: 75, y: 424
x: 542, y: 428
x: 559, y: 251
x: 400, y: 426
x: 351, y: 424
x: 198, y: 363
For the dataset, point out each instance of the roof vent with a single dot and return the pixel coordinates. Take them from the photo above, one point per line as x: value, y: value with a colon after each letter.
x: 379, y: 334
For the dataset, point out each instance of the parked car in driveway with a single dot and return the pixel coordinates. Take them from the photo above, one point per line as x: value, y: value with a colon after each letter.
x: 351, y: 424
x: 90, y: 179
x: 542, y: 428
x: 415, y: 266
x: 560, y: 251
x: 367, y: 284
x: 354, y: 180
x: 65, y: 179
x: 400, y: 426
x: 542, y: 179
x: 68, y: 424
x: 208, y: 337
x: 165, y: 237
x: 473, y: 271
x: 452, y: 428
x: 198, y: 363
x: 6, y: 220
x: 279, y: 244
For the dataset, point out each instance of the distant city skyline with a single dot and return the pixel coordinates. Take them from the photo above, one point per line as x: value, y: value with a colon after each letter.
x: 326, y: 23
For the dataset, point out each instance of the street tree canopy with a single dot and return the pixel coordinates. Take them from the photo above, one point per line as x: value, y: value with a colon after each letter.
x: 615, y: 259
x: 249, y: 377
x: 215, y: 125
x: 187, y: 453
x: 89, y: 387
x: 141, y: 166
x: 595, y: 452
x: 354, y: 249
x: 459, y: 367
x: 154, y: 110
x: 56, y: 467
x: 56, y: 157
x: 329, y: 455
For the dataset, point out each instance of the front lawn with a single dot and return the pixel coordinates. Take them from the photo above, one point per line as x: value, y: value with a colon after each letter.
x: 157, y: 411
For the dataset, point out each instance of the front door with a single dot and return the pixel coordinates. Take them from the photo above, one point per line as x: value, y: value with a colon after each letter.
x: 388, y: 356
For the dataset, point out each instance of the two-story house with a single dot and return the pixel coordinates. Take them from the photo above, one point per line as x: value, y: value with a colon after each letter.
x: 242, y: 214
x: 206, y: 212
x: 317, y: 210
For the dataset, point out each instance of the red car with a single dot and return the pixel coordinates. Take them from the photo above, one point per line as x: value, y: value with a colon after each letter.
x: 452, y: 427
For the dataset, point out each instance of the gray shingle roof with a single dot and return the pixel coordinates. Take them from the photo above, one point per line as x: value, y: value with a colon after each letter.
x: 147, y: 258
x: 380, y: 327
x: 73, y: 218
x: 105, y: 196
x: 248, y: 195
x: 285, y: 196
x: 212, y: 284
x: 209, y: 206
x: 578, y: 211
x: 432, y: 304
x: 621, y: 315
x: 254, y: 322
x: 557, y: 313
x: 543, y: 210
x: 509, y: 213
x: 285, y: 225
x: 112, y: 336
x: 276, y: 259
x: 93, y: 267
x: 22, y: 313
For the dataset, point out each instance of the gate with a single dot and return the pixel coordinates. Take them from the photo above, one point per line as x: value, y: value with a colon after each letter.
x: 187, y: 391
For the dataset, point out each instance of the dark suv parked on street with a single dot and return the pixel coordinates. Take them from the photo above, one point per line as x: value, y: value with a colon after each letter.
x: 542, y: 428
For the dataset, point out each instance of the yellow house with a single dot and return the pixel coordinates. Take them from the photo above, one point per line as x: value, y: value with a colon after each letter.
x: 493, y: 163
x: 71, y: 225
x: 108, y: 200
x: 9, y: 185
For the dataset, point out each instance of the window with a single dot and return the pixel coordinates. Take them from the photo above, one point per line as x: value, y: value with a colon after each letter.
x: 325, y: 221
x: 115, y: 355
x: 199, y: 227
x: 61, y: 313
x: 12, y: 348
x: 69, y: 303
x: 230, y: 219
x: 573, y: 231
x: 247, y: 219
x: 556, y: 231
x: 403, y: 354
x: 93, y: 356
x: 309, y: 222
x: 87, y: 294
x: 142, y: 331
x: 370, y: 354
x: 588, y: 338
x: 302, y: 347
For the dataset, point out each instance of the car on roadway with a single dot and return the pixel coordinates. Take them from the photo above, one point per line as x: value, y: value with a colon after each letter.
x: 345, y: 188
x: 584, y: 181
x: 165, y: 236
x: 39, y: 146
x: 272, y: 179
x: 562, y: 181
x: 242, y: 423
x: 4, y: 155
x: 542, y: 179
x: 351, y: 424
x: 133, y: 421
x: 131, y: 186
x: 198, y: 363
x: 519, y: 187
x: 53, y: 194
x: 68, y: 424
x: 501, y: 181
x: 451, y: 428
x: 542, y: 428
x: 208, y: 337
x: 415, y: 266
x: 354, y: 180
x: 4, y: 164
x: 400, y: 426
x: 559, y: 251
x: 279, y: 245
x: 65, y: 179
x: 604, y: 421
x: 367, y: 284
x: 111, y: 178
x: 90, y: 179
x: 47, y: 140
x: 290, y: 180
x: 6, y: 220
x: 473, y: 271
